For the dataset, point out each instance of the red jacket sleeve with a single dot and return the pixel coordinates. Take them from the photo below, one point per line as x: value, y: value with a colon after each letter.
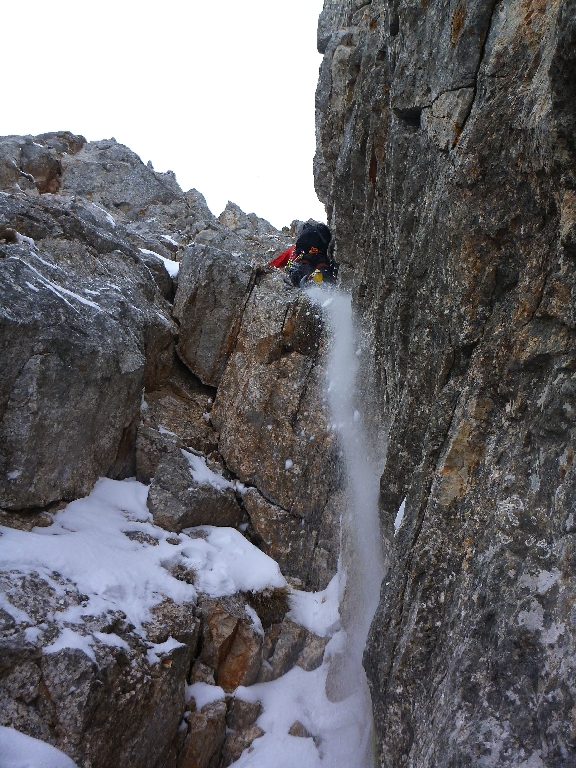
x: 283, y: 259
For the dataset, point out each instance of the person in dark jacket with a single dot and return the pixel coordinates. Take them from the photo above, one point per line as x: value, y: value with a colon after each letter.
x: 311, y: 262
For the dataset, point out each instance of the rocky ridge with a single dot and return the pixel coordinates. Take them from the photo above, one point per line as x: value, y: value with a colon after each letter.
x: 143, y: 337
x: 446, y: 161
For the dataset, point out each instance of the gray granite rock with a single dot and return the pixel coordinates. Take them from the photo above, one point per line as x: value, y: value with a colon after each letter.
x: 213, y: 288
x: 282, y: 535
x: 113, y: 176
x: 242, y: 714
x: 237, y: 742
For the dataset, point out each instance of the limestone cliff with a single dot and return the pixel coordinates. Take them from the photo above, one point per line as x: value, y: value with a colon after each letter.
x: 446, y: 158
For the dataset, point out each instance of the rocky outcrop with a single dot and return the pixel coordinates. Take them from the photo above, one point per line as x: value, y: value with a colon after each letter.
x: 216, y: 401
x: 83, y: 329
x: 212, y: 295
x: 115, y: 697
x: 272, y: 417
x: 446, y: 159
x: 65, y: 696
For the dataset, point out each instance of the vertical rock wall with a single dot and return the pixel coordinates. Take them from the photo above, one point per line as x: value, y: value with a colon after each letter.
x: 446, y: 159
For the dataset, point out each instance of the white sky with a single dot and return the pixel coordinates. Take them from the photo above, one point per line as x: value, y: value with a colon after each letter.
x: 222, y: 93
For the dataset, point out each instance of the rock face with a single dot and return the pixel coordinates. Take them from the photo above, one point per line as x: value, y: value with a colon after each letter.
x: 446, y: 158
x: 215, y: 400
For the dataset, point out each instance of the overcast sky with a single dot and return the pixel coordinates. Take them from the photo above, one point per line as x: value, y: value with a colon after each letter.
x: 220, y: 93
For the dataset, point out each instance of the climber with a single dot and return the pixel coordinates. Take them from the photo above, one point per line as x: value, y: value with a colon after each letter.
x: 309, y: 261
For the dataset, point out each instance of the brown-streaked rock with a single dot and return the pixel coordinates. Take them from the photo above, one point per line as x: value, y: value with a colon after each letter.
x: 237, y: 742
x: 241, y: 664
x: 206, y: 734
x: 231, y: 646
x: 446, y: 160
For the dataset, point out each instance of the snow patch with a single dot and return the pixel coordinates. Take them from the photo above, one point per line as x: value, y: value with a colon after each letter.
x: 157, y: 650
x: 318, y: 611
x: 87, y: 545
x: 70, y: 639
x: 164, y: 431
x: 58, y: 290
x: 111, y: 640
x: 341, y: 729
x: 172, y: 267
x: 20, y: 751
x: 225, y: 562
x: 204, y: 693
x: 109, y: 217
x: 399, y: 516
x: 202, y: 473
x: 256, y: 623
x: 170, y: 240
x: 19, y: 616
x: 23, y: 240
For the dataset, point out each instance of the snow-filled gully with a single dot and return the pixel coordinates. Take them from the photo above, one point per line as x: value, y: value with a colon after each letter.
x: 88, y: 545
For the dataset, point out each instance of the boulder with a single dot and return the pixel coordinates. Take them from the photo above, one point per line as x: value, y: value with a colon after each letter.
x: 116, y: 708
x: 270, y: 406
x: 312, y: 654
x: 206, y: 734
x: 82, y: 329
x: 177, y: 501
x: 287, y: 648
x: 231, y: 645
x: 175, y: 415
x: 242, y: 714
x: 281, y: 535
x: 237, y: 742
x: 213, y: 288
x: 271, y: 413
